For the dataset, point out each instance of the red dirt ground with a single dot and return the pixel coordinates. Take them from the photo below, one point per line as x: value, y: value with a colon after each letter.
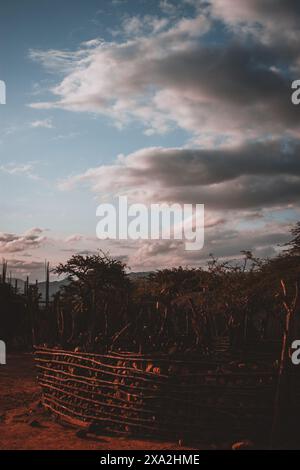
x: 24, y: 425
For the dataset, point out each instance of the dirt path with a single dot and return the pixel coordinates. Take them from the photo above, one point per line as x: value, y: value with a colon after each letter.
x: 24, y: 425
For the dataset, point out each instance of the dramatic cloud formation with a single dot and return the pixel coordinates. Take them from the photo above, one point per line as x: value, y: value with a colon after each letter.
x: 226, y: 89
x: 221, y: 72
x: 252, y: 175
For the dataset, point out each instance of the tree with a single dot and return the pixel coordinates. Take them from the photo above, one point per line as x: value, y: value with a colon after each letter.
x: 95, y: 296
x: 294, y: 244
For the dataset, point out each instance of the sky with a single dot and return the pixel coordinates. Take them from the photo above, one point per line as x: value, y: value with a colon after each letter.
x: 163, y: 101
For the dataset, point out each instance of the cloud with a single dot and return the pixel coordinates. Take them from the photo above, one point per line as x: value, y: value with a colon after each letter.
x: 57, y: 61
x: 223, y: 243
x: 248, y: 176
x: 119, y: 79
x: 26, y: 169
x: 168, y: 7
x: 235, y: 89
x: 45, y: 123
x: 261, y: 19
x: 74, y: 238
x: 12, y: 243
x: 230, y: 90
x: 24, y: 267
x: 138, y: 25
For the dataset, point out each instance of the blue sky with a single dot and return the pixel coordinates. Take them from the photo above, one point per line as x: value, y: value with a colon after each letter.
x: 76, y: 141
x: 190, y: 92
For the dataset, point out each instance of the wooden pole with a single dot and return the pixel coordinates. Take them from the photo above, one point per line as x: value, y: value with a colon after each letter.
x: 47, y: 270
x: 281, y: 388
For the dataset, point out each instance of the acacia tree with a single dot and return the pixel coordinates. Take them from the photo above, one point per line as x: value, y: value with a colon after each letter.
x: 94, y: 297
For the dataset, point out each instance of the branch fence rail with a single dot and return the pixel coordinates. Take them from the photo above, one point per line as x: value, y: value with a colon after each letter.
x: 156, y: 396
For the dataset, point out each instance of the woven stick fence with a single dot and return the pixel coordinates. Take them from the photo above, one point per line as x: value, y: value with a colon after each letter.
x: 155, y: 396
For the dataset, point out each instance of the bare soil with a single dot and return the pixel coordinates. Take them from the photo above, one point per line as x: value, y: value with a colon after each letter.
x: 25, y: 425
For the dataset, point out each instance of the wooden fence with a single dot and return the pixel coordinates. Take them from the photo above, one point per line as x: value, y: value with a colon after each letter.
x: 157, y: 396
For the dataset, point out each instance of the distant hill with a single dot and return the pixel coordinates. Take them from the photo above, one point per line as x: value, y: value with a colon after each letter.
x: 54, y: 286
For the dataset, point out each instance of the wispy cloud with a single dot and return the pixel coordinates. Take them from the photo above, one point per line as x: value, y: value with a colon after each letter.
x: 26, y: 169
x: 133, y: 26
x: 125, y: 80
x: 44, y: 123
x: 168, y: 7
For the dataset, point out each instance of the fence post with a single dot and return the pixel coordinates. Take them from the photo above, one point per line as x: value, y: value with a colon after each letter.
x: 281, y: 389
